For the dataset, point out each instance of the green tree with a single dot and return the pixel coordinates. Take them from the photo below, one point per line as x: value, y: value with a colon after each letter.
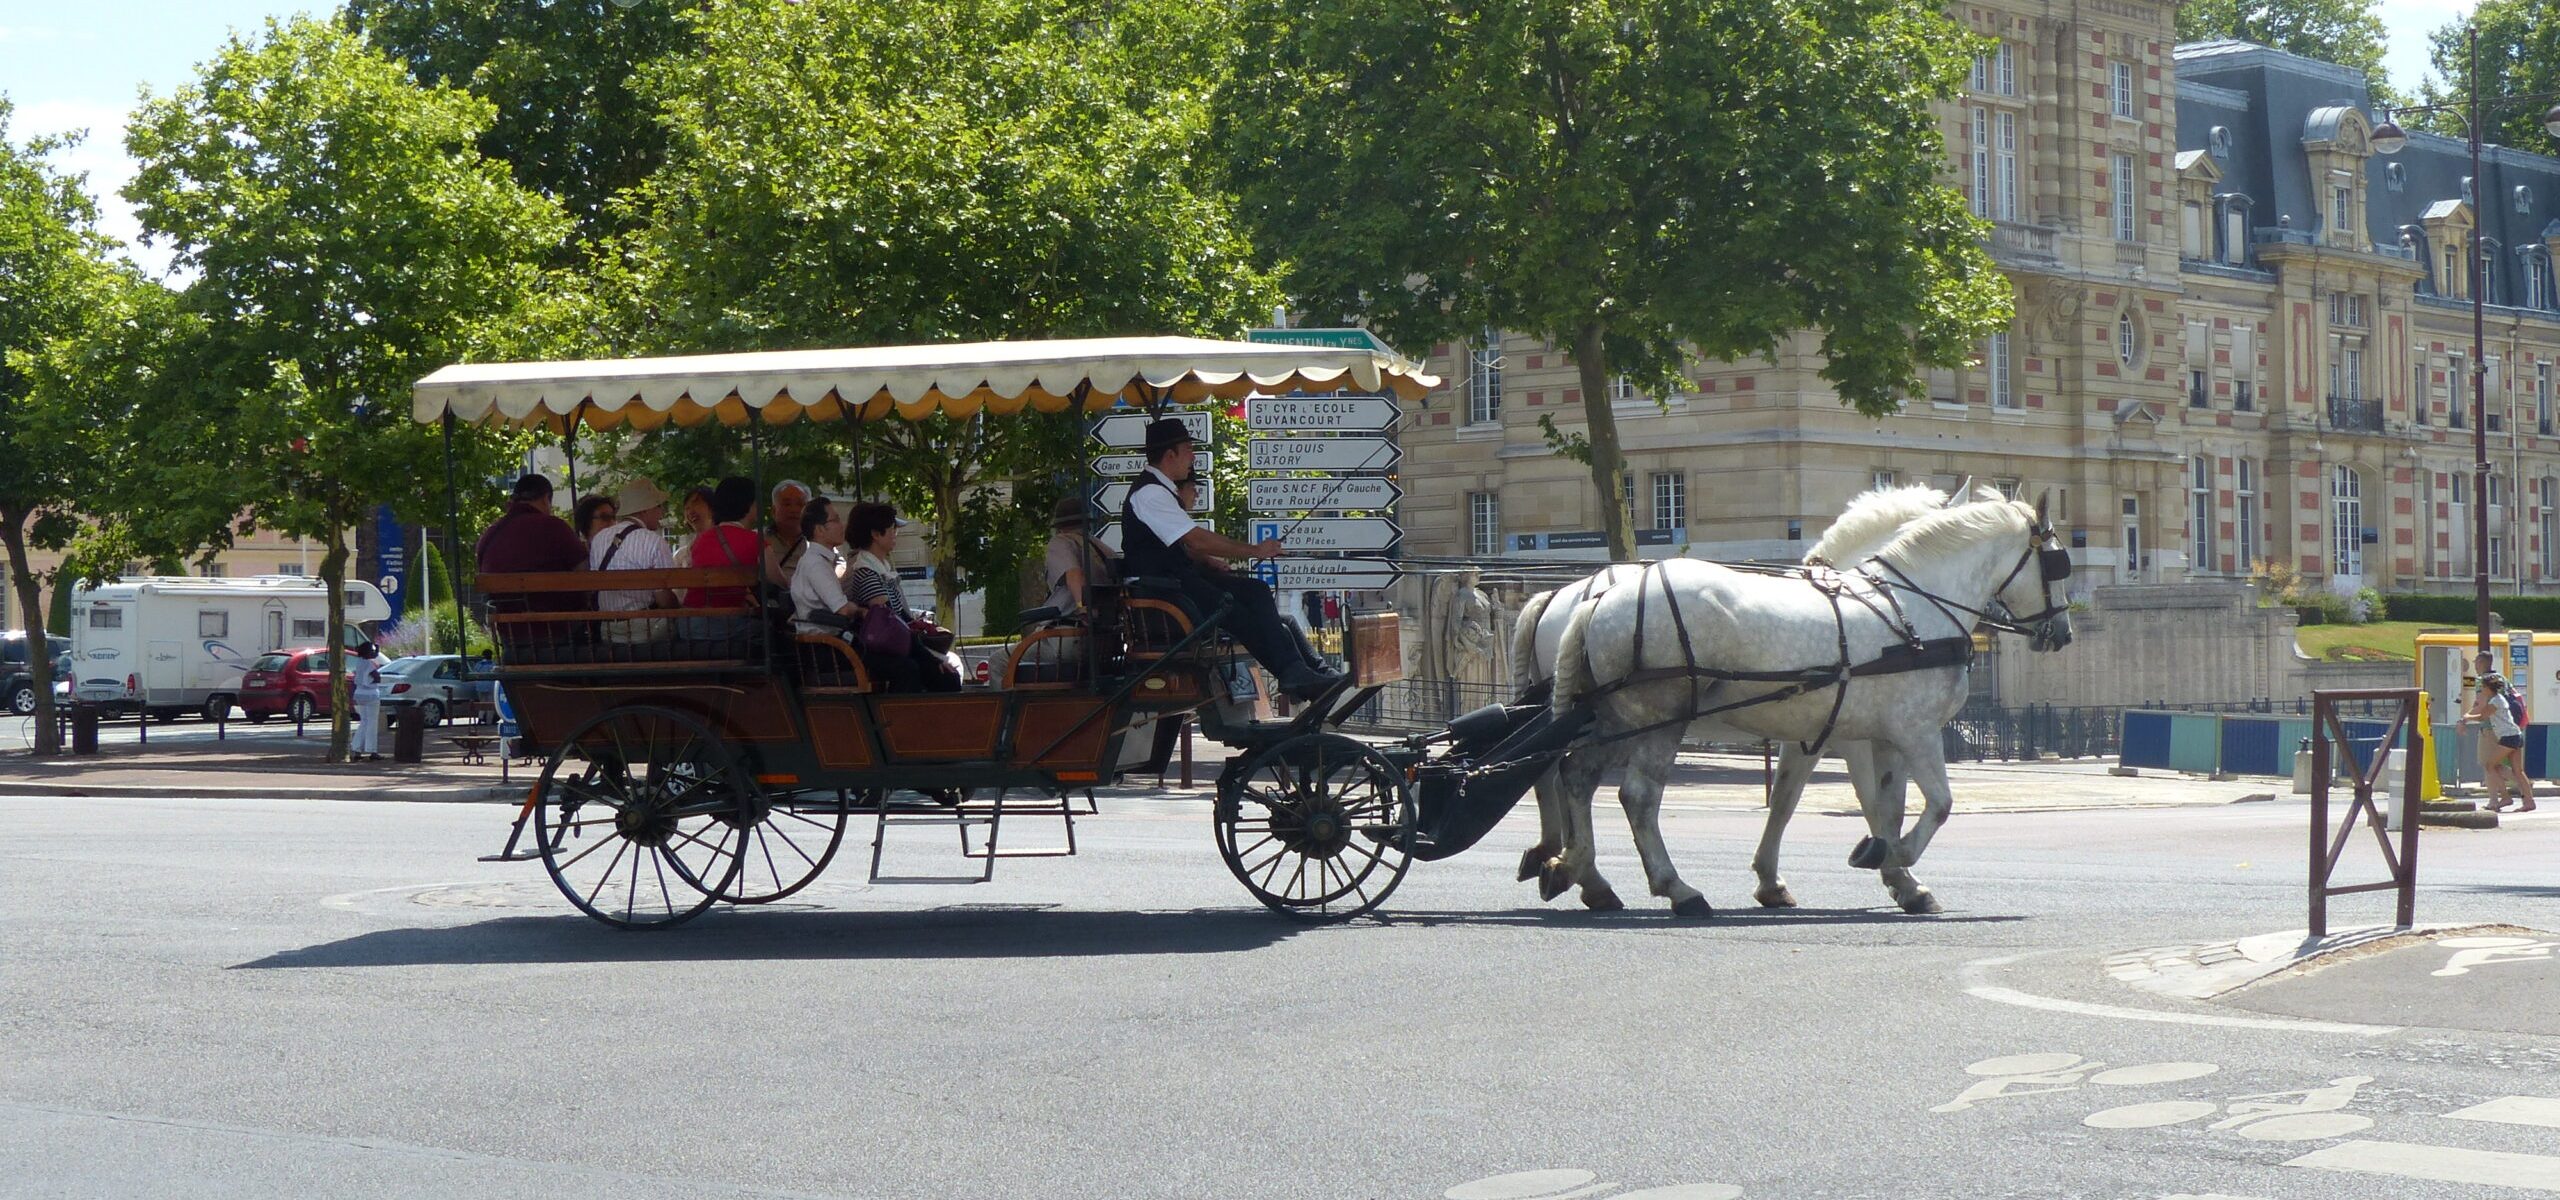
x: 2345, y: 32
x: 2519, y: 56
x: 559, y: 74
x: 346, y: 237
x: 1643, y: 183
x: 850, y: 172
x: 55, y: 286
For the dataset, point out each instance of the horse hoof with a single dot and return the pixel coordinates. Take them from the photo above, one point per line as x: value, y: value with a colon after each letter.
x: 1694, y: 906
x: 1923, y: 905
x: 1533, y: 860
x: 1869, y: 855
x: 1601, y: 900
x: 1553, y: 881
x: 1775, y: 897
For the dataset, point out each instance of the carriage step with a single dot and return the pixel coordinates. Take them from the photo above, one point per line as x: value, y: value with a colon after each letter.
x: 526, y: 856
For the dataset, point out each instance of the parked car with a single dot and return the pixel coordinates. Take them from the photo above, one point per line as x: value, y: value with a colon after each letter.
x: 433, y: 682
x: 292, y: 683
x: 17, y: 677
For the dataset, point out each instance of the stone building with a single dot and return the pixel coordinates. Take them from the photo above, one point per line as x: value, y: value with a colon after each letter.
x: 2239, y: 337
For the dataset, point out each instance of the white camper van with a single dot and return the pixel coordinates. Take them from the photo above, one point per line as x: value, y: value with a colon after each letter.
x: 173, y: 644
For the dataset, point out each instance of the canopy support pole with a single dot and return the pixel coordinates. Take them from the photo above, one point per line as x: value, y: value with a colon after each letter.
x: 764, y: 624
x: 453, y: 550
x: 569, y: 447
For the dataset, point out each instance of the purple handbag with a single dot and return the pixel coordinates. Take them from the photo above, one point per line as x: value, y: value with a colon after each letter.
x: 883, y: 634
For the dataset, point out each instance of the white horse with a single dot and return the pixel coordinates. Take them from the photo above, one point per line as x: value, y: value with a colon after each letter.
x: 1652, y: 656
x: 1864, y: 527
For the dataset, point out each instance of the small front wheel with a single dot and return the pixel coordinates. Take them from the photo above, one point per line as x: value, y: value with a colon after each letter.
x: 1318, y: 826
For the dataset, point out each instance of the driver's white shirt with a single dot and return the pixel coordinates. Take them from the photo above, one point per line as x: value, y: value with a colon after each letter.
x: 1161, y: 510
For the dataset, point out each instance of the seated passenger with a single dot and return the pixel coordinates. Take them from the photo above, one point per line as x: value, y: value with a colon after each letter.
x: 730, y: 542
x: 530, y: 538
x: 784, y: 543
x: 1074, y: 560
x: 816, y: 586
x: 870, y: 580
x: 633, y: 543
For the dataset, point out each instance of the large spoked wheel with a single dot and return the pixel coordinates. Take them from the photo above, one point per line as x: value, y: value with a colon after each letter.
x: 786, y: 850
x: 1317, y: 827
x: 641, y: 810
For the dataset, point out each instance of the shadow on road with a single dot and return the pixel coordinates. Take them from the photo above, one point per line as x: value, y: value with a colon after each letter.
x: 1659, y: 918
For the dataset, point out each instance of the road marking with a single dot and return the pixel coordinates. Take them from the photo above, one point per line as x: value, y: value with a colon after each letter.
x: 1973, y: 974
x: 1525, y: 1185
x: 2442, y: 1164
x: 2514, y: 1110
x: 2470, y: 952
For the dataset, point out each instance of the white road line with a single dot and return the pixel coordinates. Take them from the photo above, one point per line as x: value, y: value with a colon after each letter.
x: 2514, y: 1110
x: 2442, y: 1164
x: 1974, y: 987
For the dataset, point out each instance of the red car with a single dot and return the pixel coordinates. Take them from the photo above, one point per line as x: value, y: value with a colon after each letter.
x: 294, y: 683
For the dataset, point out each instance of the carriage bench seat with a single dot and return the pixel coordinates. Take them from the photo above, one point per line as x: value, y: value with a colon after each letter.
x: 827, y: 662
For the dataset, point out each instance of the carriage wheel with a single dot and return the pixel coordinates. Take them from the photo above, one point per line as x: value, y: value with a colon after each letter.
x: 640, y: 816
x: 788, y: 848
x: 1317, y: 827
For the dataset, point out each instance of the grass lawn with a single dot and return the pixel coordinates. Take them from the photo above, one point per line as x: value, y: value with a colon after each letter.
x: 2394, y: 640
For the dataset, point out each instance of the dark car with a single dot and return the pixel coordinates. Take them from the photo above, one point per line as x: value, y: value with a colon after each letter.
x: 294, y: 683
x: 433, y: 682
x: 17, y: 676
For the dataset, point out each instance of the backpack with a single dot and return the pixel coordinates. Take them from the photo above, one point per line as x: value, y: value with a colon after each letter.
x: 2515, y: 705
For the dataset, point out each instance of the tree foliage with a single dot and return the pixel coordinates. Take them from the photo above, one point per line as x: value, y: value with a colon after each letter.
x: 849, y: 172
x: 2348, y: 33
x: 1642, y: 183
x: 559, y: 76
x: 56, y: 286
x: 347, y: 237
x: 2519, y: 56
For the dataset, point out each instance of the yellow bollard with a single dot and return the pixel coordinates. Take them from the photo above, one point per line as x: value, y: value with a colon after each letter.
x: 2430, y: 785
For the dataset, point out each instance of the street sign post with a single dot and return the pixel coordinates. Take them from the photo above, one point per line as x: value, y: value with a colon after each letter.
x: 1338, y: 339
x: 1131, y: 464
x: 1128, y: 431
x: 1332, y: 534
x: 1299, y: 495
x: 1322, y: 454
x: 1113, y: 495
x: 1339, y: 414
x: 1327, y: 574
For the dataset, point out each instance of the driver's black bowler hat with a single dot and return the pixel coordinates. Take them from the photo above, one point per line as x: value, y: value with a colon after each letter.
x: 1165, y: 433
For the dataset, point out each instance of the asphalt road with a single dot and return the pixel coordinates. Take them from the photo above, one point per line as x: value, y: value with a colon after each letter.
x: 234, y: 998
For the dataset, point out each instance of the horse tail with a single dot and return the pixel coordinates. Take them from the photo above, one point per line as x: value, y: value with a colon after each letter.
x: 1573, y: 676
x: 1524, y: 644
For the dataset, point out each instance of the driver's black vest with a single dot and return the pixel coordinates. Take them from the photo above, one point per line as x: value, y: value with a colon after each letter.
x: 1142, y: 553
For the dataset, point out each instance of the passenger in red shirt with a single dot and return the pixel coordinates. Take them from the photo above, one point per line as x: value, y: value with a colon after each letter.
x: 730, y: 542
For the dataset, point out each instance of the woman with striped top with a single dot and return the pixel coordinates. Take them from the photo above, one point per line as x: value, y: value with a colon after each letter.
x: 869, y: 579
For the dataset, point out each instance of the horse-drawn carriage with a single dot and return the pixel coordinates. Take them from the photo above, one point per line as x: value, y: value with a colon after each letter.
x: 684, y: 772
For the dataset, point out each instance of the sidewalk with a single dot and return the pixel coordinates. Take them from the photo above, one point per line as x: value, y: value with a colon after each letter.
x: 266, y: 768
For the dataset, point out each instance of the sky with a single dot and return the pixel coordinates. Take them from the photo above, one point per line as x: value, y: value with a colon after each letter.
x: 73, y: 64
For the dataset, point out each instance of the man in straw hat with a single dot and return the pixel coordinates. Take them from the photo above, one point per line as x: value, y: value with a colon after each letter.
x: 633, y: 543
x: 1074, y: 561
x: 1160, y: 541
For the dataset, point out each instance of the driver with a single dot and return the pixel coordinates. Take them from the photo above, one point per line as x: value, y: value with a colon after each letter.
x: 1161, y: 541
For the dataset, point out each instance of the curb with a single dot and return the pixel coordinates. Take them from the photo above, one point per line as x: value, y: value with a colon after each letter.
x: 464, y: 794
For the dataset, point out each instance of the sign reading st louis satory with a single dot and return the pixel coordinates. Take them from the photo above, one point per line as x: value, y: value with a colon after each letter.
x: 1323, y: 454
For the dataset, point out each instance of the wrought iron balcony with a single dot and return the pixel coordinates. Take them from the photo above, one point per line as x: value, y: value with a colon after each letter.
x: 2355, y: 415
x: 2010, y: 240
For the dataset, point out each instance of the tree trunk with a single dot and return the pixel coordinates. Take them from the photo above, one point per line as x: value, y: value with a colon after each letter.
x: 30, y: 593
x: 946, y: 550
x: 333, y: 575
x: 1608, y: 467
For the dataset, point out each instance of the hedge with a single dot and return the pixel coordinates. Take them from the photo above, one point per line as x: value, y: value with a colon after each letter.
x: 2519, y: 612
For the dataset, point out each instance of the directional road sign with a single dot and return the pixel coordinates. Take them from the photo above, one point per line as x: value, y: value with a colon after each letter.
x: 1338, y: 414
x: 1128, y: 431
x: 1299, y: 495
x: 1113, y: 495
x: 1327, y: 574
x: 1323, y: 454
x: 1339, y: 339
x: 1131, y: 464
x: 1332, y: 534
x: 1109, y: 535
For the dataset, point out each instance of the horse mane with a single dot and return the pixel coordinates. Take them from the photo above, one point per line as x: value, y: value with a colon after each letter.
x: 1950, y: 529
x: 1873, y: 519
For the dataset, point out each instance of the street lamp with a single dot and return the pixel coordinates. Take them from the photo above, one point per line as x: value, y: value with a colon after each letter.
x: 2388, y: 139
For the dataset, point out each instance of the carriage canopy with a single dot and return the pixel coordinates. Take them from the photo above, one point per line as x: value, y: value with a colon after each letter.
x: 867, y: 383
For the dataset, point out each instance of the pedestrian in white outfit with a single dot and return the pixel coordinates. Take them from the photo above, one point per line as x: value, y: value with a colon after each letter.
x: 364, y: 687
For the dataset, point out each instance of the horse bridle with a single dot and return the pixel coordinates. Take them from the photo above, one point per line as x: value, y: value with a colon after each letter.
x: 2044, y: 548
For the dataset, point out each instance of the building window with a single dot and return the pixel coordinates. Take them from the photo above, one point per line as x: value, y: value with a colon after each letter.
x: 1982, y: 163
x: 2348, y: 308
x: 2550, y: 527
x: 1622, y: 391
x: 1996, y: 71
x: 2199, y: 392
x: 2542, y: 398
x: 2245, y: 519
x: 2008, y: 486
x: 1484, y: 380
x: 2191, y: 231
x: 2342, y: 219
x: 212, y: 570
x: 2346, y: 368
x: 1995, y: 362
x: 2346, y: 523
x: 2235, y: 235
x: 2125, y: 338
x: 1484, y: 524
x: 1884, y: 479
x: 2200, y: 518
x: 2243, y: 397
x: 2497, y: 525
x: 1670, y: 500
x: 2004, y: 179
x: 288, y: 568
x: 2456, y: 408
x: 2121, y: 95
x: 2133, y: 562
x: 2121, y: 175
